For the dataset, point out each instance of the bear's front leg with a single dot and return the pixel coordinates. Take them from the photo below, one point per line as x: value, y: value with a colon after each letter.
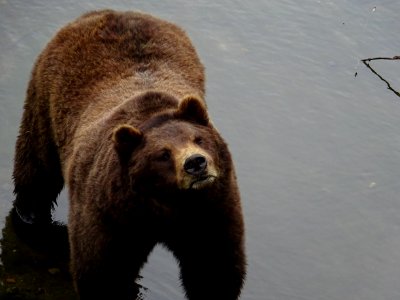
x: 105, y: 263
x: 211, y: 255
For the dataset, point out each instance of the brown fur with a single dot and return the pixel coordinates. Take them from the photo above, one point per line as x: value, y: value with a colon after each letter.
x: 115, y: 110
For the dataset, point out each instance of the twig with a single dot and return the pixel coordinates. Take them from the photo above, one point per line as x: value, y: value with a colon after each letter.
x: 366, y: 62
x: 381, y: 58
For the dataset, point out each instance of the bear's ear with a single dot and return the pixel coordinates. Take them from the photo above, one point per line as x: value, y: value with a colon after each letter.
x: 192, y: 109
x: 126, y: 138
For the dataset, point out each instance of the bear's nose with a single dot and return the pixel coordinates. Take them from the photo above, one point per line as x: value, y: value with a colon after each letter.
x: 195, y: 164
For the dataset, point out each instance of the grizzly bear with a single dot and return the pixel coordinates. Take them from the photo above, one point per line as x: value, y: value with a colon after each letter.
x: 115, y: 110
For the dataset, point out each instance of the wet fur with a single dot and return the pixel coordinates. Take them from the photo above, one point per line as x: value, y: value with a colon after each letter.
x: 106, y: 70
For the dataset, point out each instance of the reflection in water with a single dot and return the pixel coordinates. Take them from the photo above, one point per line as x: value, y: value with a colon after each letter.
x: 35, y: 262
x: 366, y: 62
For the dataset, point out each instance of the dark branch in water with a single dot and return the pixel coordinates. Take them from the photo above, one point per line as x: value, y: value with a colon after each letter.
x: 366, y: 62
x: 381, y: 58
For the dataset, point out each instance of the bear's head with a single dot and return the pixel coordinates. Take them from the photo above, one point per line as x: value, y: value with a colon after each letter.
x: 178, y: 149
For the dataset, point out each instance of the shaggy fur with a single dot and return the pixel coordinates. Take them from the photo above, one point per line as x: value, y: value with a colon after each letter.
x: 115, y: 110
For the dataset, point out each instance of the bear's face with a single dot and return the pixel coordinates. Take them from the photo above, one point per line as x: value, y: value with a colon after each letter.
x: 175, y: 150
x: 178, y: 154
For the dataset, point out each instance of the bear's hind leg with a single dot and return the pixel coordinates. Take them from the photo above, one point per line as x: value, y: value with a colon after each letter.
x: 37, y: 171
x: 37, y: 184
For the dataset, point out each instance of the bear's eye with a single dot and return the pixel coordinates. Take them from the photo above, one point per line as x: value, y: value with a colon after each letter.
x: 164, y: 156
x: 198, y: 140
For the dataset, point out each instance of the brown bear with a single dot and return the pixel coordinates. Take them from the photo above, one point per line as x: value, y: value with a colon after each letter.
x: 115, y: 110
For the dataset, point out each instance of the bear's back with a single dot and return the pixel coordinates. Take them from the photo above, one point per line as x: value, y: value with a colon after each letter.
x: 105, y: 58
x: 102, y: 48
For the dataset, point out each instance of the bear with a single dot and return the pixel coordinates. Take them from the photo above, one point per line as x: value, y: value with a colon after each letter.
x: 115, y: 111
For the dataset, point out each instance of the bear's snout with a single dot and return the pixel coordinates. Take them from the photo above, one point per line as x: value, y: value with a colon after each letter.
x: 195, y: 168
x: 196, y: 164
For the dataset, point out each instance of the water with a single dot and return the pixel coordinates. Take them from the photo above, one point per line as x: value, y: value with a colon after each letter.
x: 317, y: 149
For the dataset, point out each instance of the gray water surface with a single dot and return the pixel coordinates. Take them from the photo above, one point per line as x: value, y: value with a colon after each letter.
x: 314, y: 133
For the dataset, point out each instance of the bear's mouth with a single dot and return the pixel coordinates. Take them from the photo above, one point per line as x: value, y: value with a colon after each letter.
x: 202, y: 181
